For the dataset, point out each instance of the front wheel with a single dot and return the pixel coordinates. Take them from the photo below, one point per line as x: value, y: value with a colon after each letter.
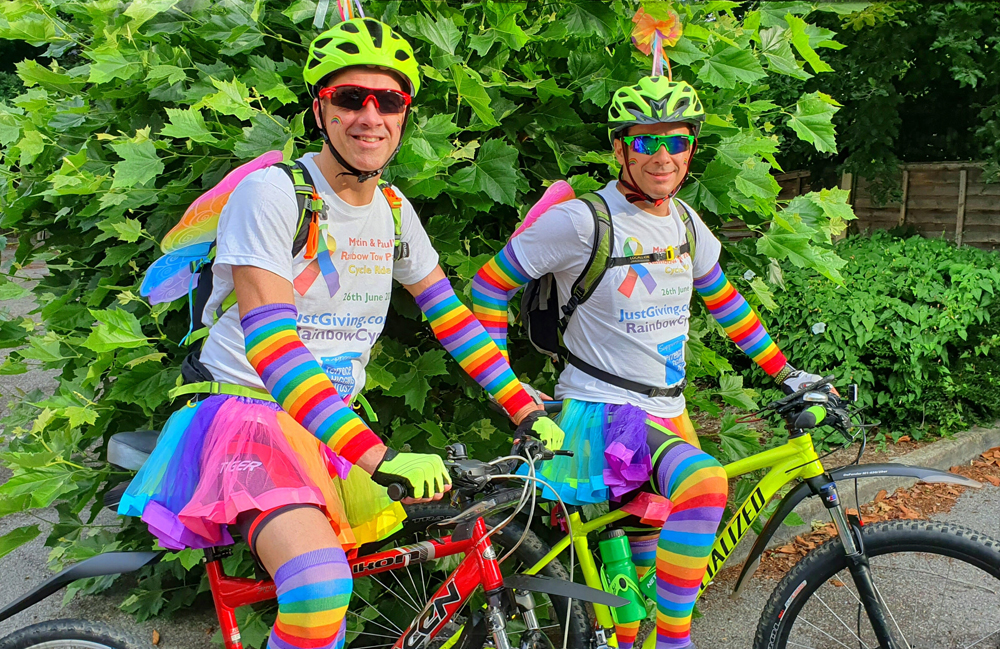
x: 70, y: 634
x: 939, y: 584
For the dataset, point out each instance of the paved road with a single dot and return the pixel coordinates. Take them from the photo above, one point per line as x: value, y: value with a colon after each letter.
x: 27, y: 567
x: 726, y: 623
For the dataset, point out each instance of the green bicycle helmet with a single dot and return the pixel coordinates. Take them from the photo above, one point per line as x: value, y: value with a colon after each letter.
x: 359, y: 41
x: 655, y: 100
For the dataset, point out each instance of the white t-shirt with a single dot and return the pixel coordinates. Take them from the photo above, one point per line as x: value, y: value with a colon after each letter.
x: 636, y: 322
x: 341, y: 313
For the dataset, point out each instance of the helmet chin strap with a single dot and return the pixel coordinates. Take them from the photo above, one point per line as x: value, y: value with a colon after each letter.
x: 351, y: 170
x: 633, y: 194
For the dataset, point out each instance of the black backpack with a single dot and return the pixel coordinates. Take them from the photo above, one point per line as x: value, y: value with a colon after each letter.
x: 545, y: 321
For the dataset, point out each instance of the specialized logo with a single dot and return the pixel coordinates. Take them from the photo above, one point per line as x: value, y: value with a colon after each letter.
x: 323, y: 264
x: 433, y: 616
x: 635, y: 271
x: 730, y: 537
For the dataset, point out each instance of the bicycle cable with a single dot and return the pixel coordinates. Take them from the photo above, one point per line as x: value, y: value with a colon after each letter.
x: 572, y: 548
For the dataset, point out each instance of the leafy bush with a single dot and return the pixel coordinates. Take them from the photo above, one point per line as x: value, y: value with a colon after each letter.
x: 915, y: 325
x: 147, y: 104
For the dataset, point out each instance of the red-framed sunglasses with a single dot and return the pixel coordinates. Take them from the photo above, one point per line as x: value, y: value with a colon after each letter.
x: 387, y: 101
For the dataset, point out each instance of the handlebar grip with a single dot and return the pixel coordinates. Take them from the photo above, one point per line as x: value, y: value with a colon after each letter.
x: 397, y: 491
x: 810, y: 417
x: 552, y: 407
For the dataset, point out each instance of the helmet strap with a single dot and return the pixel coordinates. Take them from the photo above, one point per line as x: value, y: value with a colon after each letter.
x: 351, y: 170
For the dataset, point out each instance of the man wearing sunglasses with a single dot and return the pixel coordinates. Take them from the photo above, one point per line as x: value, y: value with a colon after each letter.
x: 260, y: 453
x: 623, y: 386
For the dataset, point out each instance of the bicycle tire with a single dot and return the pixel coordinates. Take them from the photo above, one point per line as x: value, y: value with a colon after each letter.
x: 71, y: 634
x: 422, y: 516
x: 889, y: 543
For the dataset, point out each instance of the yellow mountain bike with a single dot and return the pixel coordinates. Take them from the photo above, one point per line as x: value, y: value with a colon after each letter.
x: 892, y: 585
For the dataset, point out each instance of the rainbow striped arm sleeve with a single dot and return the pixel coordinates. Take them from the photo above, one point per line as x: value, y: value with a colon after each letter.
x: 298, y: 383
x: 490, y: 288
x: 467, y: 341
x: 742, y: 325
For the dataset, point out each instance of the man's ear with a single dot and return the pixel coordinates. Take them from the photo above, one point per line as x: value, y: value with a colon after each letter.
x: 619, y: 151
x: 316, y: 117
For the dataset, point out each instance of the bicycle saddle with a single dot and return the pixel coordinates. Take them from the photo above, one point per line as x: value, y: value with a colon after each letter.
x: 129, y: 450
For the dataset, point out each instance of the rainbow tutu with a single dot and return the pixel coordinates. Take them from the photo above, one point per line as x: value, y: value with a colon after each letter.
x: 225, y: 455
x: 611, y: 457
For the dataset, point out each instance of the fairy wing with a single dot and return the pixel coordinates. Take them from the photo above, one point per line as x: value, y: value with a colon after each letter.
x: 175, y: 274
x: 201, y: 219
x: 558, y: 192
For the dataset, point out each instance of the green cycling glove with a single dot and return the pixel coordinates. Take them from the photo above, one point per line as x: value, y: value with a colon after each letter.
x: 539, y: 426
x: 423, y: 473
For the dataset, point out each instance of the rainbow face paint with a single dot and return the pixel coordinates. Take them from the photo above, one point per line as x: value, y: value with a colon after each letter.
x: 335, y: 119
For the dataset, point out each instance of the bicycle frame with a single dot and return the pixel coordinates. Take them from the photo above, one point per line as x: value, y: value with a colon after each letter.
x: 479, y: 567
x: 796, y: 459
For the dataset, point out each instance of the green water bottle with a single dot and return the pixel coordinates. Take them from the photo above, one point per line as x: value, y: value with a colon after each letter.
x: 619, y: 576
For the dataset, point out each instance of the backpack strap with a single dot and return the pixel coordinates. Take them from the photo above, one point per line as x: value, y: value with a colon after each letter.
x: 401, y: 249
x: 671, y: 253
x: 309, y: 204
x: 600, y: 253
x: 687, y: 218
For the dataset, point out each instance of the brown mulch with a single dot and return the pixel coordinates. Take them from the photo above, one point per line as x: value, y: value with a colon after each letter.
x: 918, y: 502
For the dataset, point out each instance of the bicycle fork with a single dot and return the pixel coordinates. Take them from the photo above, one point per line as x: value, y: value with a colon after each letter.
x: 857, y: 562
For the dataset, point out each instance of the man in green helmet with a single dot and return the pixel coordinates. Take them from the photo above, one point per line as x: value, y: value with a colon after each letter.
x: 623, y: 386
x: 262, y: 449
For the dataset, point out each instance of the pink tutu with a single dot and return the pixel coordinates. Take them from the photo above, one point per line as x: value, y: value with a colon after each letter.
x: 225, y: 455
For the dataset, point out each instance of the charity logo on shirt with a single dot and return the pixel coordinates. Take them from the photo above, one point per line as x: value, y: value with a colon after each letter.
x: 323, y: 264
x: 673, y: 358
x: 636, y: 272
x: 340, y: 369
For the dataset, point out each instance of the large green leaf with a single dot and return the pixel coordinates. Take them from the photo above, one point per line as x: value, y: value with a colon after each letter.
x: 494, y: 172
x: 800, y: 39
x: 441, y: 31
x: 728, y: 65
x: 188, y: 123
x: 110, y: 64
x: 16, y: 538
x: 43, y: 484
x: 812, y: 121
x: 142, y: 10
x: 117, y: 329
x: 472, y: 92
x: 139, y: 163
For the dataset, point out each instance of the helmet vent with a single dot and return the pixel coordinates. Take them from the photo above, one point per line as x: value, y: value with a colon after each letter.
x: 402, y: 56
x: 314, y: 62
x: 318, y: 45
x: 350, y: 48
x: 394, y: 35
x: 350, y: 27
x: 375, y: 29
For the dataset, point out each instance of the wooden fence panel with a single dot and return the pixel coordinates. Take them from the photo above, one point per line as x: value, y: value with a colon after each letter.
x: 939, y: 199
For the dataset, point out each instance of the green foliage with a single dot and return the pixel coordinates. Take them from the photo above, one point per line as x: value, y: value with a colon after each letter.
x: 142, y: 106
x: 915, y: 325
x: 919, y: 82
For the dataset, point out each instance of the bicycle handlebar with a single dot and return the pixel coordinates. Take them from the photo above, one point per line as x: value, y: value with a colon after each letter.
x: 470, y: 476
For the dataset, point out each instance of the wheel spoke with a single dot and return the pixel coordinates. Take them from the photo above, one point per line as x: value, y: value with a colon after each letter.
x: 842, y: 623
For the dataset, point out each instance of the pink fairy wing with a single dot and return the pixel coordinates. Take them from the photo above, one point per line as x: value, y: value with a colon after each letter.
x: 558, y: 192
x: 201, y: 219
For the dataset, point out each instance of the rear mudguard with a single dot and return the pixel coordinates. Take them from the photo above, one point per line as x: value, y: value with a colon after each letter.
x: 563, y: 588
x: 803, y: 490
x: 109, y: 563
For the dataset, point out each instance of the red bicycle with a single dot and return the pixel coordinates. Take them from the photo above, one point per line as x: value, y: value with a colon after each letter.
x: 455, y: 587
